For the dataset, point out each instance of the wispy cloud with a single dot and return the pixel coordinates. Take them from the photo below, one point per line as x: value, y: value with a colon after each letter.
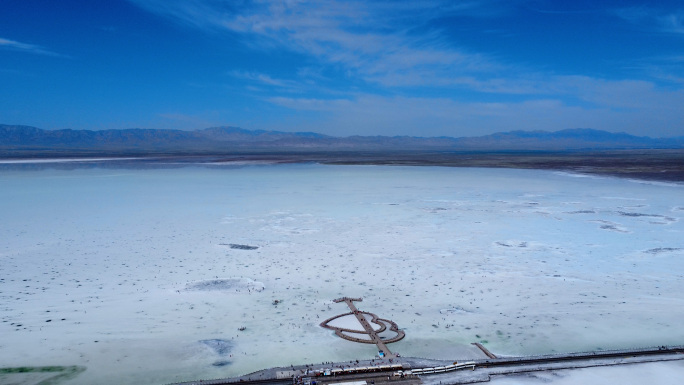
x: 27, y: 48
x: 386, y: 49
x: 435, y: 116
x: 439, y: 116
x: 598, y: 92
x: 265, y: 79
x: 369, y: 40
x: 671, y: 21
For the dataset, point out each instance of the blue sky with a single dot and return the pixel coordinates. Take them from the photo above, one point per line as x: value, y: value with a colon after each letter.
x: 423, y: 68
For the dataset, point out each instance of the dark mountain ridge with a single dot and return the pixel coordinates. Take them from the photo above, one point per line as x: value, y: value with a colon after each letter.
x: 15, y: 138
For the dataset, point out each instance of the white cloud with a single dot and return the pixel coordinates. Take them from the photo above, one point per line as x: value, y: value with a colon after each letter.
x: 616, y: 94
x: 24, y: 47
x: 368, y: 39
x: 649, y: 17
x: 267, y: 80
x: 673, y: 22
x: 366, y: 114
x: 376, y: 44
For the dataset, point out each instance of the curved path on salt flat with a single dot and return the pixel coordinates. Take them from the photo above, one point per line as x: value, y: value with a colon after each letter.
x: 374, y: 338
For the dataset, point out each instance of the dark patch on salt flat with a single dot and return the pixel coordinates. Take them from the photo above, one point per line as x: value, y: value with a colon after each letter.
x: 229, y: 284
x: 221, y: 363
x: 219, y: 346
x: 521, y: 244
x: 237, y: 246
x: 435, y: 209
x: 612, y: 228
x: 628, y: 214
x: 642, y: 215
x: 659, y: 250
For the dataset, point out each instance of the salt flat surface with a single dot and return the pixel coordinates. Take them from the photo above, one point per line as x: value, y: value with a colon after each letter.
x: 131, y: 272
x: 352, y: 323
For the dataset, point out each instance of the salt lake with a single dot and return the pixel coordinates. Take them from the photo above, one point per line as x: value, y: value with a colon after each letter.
x: 155, y: 275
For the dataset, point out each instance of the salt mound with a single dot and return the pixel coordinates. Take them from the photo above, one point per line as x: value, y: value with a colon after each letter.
x: 229, y: 284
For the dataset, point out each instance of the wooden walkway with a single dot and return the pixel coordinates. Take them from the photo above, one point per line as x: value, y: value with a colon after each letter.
x: 484, y: 350
x: 369, y: 329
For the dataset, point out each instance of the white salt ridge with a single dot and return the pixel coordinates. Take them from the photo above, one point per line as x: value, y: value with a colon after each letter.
x: 657, y: 183
x: 578, y: 175
x: 106, y: 260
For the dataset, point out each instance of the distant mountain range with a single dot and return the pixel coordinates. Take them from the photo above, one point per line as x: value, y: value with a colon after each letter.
x: 22, y: 139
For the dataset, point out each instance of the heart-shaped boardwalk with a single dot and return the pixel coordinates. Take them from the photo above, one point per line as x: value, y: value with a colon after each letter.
x: 344, y: 328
